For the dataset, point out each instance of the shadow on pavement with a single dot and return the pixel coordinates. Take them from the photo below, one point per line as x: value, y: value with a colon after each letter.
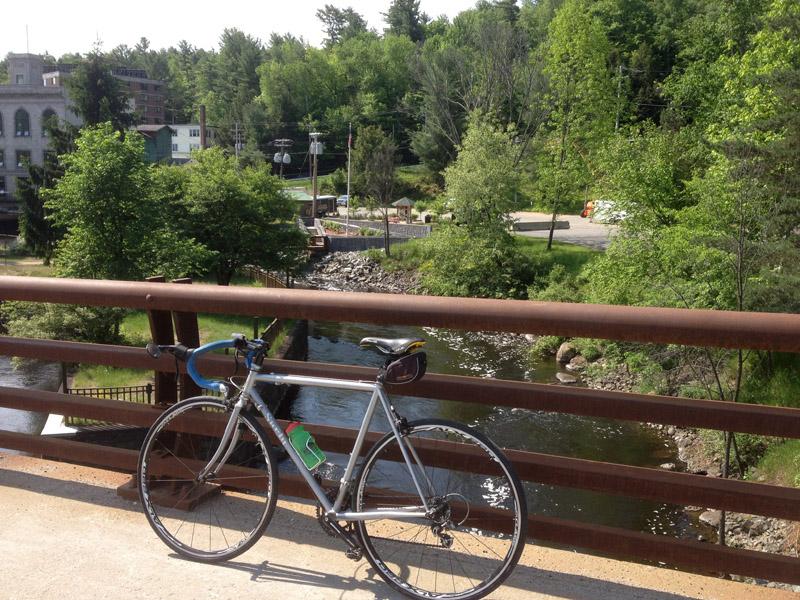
x: 291, y: 525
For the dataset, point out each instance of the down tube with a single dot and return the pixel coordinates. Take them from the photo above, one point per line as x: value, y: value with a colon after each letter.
x: 276, y: 428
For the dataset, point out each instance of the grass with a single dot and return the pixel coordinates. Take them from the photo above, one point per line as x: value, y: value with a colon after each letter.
x: 24, y: 266
x: 572, y: 256
x: 780, y: 464
x: 101, y: 376
x: 411, y: 254
x: 136, y: 327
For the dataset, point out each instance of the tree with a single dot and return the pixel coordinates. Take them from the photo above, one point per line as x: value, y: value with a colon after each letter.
x: 580, y: 96
x: 404, y: 18
x: 482, y: 183
x: 96, y: 95
x: 374, y: 158
x: 242, y: 216
x: 228, y: 81
x: 340, y: 23
x: 476, y: 255
x: 39, y: 232
x: 114, y: 229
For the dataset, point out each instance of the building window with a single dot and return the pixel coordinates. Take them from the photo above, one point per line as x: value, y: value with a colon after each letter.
x: 48, y: 118
x: 194, y: 147
x: 174, y: 133
x: 1, y: 124
x: 22, y: 123
x: 2, y: 159
x: 194, y: 133
x: 20, y: 79
x: 157, y: 109
x: 2, y: 185
x: 143, y: 86
x: 23, y: 159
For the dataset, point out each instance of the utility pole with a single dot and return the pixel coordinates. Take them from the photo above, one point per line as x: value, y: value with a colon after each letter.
x: 237, y: 139
x: 619, y: 94
x: 347, y: 204
x: 315, y: 149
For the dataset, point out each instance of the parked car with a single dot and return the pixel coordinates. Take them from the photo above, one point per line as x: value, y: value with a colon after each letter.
x: 603, y: 211
x: 342, y: 200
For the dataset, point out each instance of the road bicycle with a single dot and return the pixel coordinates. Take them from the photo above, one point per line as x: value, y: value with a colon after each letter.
x: 434, y: 506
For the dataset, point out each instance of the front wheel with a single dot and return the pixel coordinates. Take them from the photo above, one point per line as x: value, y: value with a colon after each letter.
x: 210, y: 516
x: 476, y: 526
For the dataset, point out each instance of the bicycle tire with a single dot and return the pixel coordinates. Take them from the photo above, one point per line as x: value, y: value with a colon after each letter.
x: 481, y: 489
x: 215, y: 519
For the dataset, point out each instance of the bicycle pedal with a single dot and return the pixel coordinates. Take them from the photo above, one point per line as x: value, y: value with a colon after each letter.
x: 354, y: 553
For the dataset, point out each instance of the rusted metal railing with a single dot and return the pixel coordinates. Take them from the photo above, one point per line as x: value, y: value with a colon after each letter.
x: 708, y: 328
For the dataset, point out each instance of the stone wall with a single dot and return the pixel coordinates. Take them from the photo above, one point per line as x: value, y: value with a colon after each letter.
x: 360, y: 243
x: 395, y: 229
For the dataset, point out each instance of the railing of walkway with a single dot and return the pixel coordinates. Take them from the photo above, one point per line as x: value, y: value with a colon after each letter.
x: 777, y: 332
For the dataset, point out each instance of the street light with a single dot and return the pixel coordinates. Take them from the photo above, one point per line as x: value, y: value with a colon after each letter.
x: 281, y: 156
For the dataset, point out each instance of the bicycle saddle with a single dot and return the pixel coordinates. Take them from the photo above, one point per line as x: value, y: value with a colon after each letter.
x: 395, y: 347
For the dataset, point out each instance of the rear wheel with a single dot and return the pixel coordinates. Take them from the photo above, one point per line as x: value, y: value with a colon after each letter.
x: 210, y: 517
x: 476, y: 526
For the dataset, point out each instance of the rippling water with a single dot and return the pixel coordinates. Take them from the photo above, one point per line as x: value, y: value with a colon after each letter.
x: 480, y: 355
x: 31, y: 374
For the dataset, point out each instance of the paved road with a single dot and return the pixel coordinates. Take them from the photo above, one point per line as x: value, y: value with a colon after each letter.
x: 581, y: 231
x: 66, y: 534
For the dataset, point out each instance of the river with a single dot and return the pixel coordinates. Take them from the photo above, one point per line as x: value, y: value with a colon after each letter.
x: 462, y: 353
x: 481, y: 355
x: 30, y: 374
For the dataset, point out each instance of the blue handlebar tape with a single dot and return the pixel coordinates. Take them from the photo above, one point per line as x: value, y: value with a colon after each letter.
x: 208, y: 384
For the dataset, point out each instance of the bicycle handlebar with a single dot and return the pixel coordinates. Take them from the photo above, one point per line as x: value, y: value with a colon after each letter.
x: 181, y: 352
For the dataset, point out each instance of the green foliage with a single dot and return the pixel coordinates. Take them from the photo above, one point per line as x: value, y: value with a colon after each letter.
x: 61, y: 322
x: 581, y: 101
x: 242, y: 216
x: 340, y: 23
x: 463, y: 264
x: 483, y: 182
x: 404, y: 18
x: 114, y: 228
x: 96, y: 96
x: 545, y: 345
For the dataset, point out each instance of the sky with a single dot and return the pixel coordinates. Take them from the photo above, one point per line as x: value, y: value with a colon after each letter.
x: 61, y: 26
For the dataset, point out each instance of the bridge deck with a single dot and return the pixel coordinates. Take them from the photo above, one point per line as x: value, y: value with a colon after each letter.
x: 66, y: 531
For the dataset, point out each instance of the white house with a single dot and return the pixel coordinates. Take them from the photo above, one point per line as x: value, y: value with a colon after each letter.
x: 186, y: 138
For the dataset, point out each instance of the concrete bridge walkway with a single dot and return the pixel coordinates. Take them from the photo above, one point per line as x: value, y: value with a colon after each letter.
x: 65, y: 533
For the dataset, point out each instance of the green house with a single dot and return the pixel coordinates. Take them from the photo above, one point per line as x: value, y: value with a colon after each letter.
x: 157, y: 142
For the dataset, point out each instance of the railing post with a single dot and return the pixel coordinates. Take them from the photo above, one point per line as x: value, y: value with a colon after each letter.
x: 188, y: 334
x: 162, y: 333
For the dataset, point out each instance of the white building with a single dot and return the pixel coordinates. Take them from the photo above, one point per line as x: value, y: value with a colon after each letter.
x: 25, y: 105
x: 186, y: 138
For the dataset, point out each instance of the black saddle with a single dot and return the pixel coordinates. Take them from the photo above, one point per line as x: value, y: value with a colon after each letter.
x: 396, y: 347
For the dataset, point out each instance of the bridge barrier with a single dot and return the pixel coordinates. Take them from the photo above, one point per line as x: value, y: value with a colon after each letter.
x: 763, y: 331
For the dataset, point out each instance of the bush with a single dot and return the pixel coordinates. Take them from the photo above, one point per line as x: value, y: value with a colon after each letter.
x: 462, y: 264
x: 62, y: 322
x: 546, y: 345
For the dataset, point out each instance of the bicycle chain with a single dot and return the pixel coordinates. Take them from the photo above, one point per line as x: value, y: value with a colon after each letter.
x: 323, y: 519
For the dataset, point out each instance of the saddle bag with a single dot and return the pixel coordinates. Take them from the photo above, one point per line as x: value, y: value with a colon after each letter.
x: 408, y: 369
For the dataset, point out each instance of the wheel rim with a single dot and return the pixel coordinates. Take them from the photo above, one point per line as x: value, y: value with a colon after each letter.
x: 213, y: 517
x: 452, y: 555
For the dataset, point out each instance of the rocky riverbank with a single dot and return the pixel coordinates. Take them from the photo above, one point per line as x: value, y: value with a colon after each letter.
x: 357, y: 272
x: 750, y: 532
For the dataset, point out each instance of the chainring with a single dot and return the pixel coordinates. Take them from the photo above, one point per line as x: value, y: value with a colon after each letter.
x: 323, y: 519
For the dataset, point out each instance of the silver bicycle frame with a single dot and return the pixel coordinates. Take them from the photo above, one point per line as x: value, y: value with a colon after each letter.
x: 378, y: 395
